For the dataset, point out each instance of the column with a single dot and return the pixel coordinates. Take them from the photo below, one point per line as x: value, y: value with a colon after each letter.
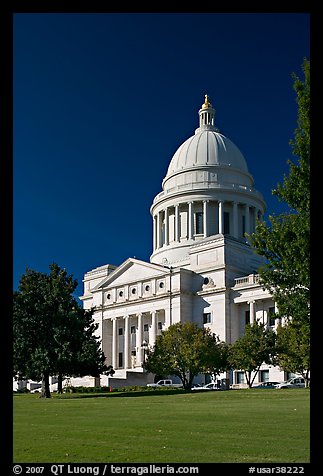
x: 252, y: 311
x: 126, y: 342
x: 153, y: 327
x: 166, y: 227
x: 114, y: 343
x: 139, y: 339
x: 265, y: 317
x: 154, y: 233
x: 235, y: 219
x: 177, y: 223
x: 252, y: 220
x: 205, y: 218
x: 220, y: 216
x: 158, y: 231
x: 278, y: 321
x: 247, y: 218
x: 190, y: 220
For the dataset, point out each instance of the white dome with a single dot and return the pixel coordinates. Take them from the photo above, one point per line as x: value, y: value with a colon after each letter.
x: 207, y: 148
x: 207, y: 156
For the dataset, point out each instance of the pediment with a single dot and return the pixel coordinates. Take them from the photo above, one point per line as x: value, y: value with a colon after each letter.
x: 130, y: 271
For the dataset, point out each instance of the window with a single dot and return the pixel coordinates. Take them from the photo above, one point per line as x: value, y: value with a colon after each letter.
x: 160, y: 325
x: 120, y: 331
x: 264, y: 376
x: 146, y: 327
x: 120, y: 293
x: 243, y: 225
x: 247, y: 317
x: 207, y: 318
x: 161, y: 285
x: 133, y: 291
x: 240, y: 377
x: 147, y: 287
x: 226, y: 223
x: 132, y: 329
x: 120, y: 360
x: 199, y: 223
x: 271, y: 316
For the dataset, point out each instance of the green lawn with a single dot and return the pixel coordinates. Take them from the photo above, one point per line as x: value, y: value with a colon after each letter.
x: 248, y: 426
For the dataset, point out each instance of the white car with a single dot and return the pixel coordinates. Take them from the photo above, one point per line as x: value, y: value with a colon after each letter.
x: 208, y: 386
x: 296, y: 382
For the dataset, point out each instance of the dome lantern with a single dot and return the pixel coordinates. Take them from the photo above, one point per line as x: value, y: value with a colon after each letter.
x: 206, y: 114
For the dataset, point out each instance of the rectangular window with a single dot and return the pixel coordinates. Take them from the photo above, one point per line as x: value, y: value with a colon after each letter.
x: 120, y: 331
x: 247, y: 317
x: 199, y: 223
x: 264, y: 376
x: 120, y: 360
x: 226, y: 223
x: 240, y: 377
x: 271, y: 316
x: 207, y: 318
x: 132, y: 329
x: 160, y: 325
x: 146, y: 327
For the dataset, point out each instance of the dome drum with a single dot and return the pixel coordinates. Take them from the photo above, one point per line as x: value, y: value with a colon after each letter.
x: 180, y: 225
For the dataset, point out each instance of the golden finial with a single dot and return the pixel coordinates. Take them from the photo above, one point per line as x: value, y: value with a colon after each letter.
x: 206, y: 103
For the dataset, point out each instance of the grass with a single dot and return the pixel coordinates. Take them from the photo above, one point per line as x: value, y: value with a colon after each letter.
x: 240, y: 426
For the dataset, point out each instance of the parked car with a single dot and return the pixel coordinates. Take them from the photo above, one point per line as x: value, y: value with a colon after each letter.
x: 165, y: 383
x: 208, y: 386
x: 266, y: 385
x: 295, y: 382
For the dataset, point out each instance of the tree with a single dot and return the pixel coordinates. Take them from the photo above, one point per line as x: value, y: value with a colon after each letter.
x: 293, y: 348
x: 285, y: 241
x: 184, y: 350
x: 255, y: 347
x: 52, y: 334
x: 217, y: 357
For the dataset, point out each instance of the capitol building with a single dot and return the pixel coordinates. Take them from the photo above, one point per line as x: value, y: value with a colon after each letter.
x: 202, y: 268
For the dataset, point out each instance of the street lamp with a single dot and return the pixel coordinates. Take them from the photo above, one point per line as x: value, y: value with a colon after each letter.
x: 144, y: 347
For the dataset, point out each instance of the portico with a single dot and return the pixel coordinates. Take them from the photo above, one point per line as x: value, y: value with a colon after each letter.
x: 128, y: 334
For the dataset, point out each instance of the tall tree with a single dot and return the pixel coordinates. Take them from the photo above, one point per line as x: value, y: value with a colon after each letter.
x: 255, y: 347
x: 184, y: 350
x: 52, y: 334
x: 285, y: 241
x: 293, y: 349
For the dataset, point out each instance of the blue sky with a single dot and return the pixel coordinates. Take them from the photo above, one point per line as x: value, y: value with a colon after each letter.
x: 103, y: 101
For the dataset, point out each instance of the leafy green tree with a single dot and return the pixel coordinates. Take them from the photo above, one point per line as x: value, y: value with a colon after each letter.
x: 255, y: 347
x: 217, y: 358
x: 293, y: 348
x: 184, y: 350
x: 52, y: 334
x: 285, y: 241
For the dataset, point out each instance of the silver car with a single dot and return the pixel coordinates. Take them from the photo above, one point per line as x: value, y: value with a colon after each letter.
x: 208, y: 386
x: 295, y: 382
